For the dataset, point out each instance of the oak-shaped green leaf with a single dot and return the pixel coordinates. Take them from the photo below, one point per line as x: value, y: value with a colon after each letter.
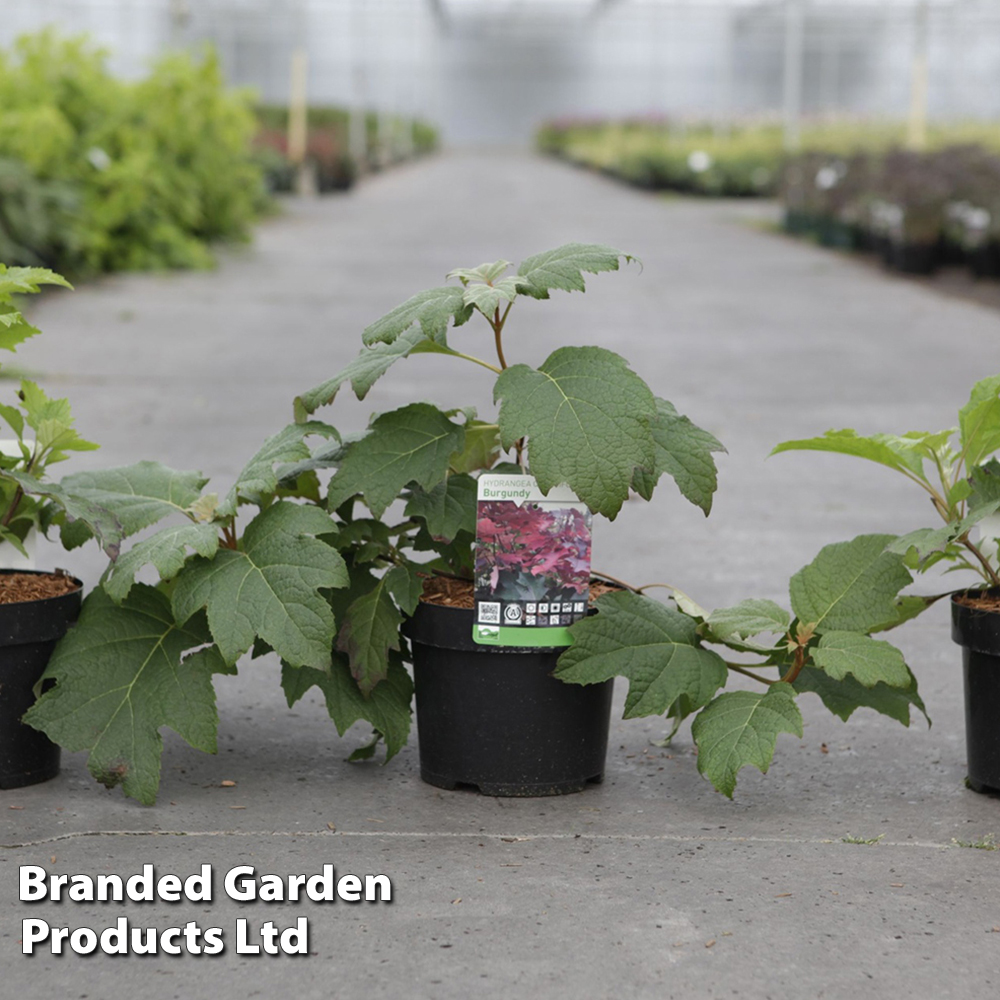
x: 844, y: 697
x: 92, y: 518
x: 979, y: 422
x: 447, y: 509
x: 269, y: 588
x: 904, y: 453
x: 432, y: 309
x: 748, y: 618
x: 870, y: 661
x: 849, y: 586
x: 563, y: 268
x: 653, y: 646
x: 362, y: 373
x: 485, y: 273
x: 52, y: 422
x: 277, y: 458
x: 740, y: 728
x: 387, y: 708
x: 119, y: 677
x: 683, y: 451
x: 411, y: 444
x: 14, y: 328
x: 487, y: 298
x: 166, y: 551
x: 368, y: 630
x: 985, y: 481
x: 139, y: 495
x: 587, y: 418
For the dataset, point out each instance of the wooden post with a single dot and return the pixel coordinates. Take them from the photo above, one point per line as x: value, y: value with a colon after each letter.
x: 298, y: 120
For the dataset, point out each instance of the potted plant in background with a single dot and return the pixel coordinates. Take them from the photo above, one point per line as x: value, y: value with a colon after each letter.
x: 964, y: 488
x: 305, y: 555
x: 36, y: 608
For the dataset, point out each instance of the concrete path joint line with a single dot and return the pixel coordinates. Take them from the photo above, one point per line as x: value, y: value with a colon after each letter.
x: 451, y: 835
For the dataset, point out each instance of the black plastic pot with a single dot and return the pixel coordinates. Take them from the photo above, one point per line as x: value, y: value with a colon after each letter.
x: 28, y: 634
x: 978, y: 633
x: 912, y: 258
x: 495, y: 718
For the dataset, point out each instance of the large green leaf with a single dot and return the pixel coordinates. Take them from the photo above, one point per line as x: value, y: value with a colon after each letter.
x: 563, y: 268
x: 120, y: 677
x: 979, y: 422
x: 93, y: 518
x: 850, y: 586
x: 683, y: 451
x: 140, y: 494
x: 653, y: 646
x: 368, y: 630
x: 362, y: 373
x: 270, y: 588
x: 870, y: 661
x: 447, y: 509
x: 432, y: 309
x: 587, y: 418
x: 844, y: 697
x: 900, y: 453
x: 387, y: 708
x: 740, y: 728
x: 411, y: 444
x: 166, y: 551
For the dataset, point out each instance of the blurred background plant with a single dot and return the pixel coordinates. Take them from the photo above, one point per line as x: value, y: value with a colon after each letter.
x: 102, y: 174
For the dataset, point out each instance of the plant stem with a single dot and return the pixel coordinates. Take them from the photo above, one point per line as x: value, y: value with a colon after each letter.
x: 497, y: 323
x: 988, y: 571
x: 796, y: 668
x: 476, y: 361
x: 19, y: 492
x: 614, y: 579
x: 749, y: 673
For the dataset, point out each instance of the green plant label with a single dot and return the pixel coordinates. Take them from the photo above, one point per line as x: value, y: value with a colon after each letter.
x: 532, y: 562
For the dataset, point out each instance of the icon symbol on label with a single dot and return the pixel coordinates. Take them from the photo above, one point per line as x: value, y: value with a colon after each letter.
x: 512, y: 613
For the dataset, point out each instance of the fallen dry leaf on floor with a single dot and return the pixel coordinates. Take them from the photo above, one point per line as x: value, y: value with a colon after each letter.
x: 708, y: 944
x: 15, y: 807
x: 228, y: 784
x: 332, y: 827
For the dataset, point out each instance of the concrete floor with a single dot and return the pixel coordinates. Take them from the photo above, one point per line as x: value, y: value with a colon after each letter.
x: 650, y: 885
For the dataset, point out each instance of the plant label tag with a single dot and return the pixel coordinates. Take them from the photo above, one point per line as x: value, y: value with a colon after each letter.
x: 532, y: 562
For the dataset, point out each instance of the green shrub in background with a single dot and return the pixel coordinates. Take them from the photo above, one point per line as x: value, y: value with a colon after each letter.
x: 98, y: 174
x: 738, y: 160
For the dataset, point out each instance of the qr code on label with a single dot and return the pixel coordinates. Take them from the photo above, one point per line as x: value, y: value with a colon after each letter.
x: 489, y: 612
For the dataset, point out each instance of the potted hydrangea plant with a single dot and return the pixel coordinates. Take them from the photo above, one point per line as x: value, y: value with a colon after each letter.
x: 957, y: 468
